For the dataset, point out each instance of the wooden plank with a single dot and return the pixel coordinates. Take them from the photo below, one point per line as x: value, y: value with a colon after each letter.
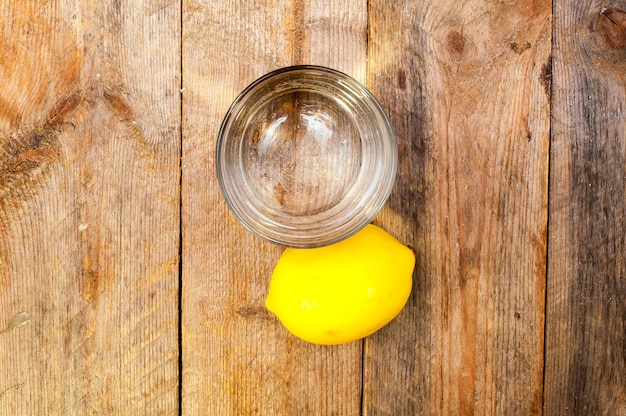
x: 465, y: 86
x: 237, y: 358
x: 89, y: 207
x: 586, y: 308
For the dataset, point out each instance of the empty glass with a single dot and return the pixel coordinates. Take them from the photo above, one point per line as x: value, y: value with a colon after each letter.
x: 305, y: 156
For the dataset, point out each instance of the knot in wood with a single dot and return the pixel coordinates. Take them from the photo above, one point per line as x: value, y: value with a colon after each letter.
x: 611, y: 27
x: 456, y: 42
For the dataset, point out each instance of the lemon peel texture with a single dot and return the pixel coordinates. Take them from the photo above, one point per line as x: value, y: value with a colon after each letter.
x: 342, y: 292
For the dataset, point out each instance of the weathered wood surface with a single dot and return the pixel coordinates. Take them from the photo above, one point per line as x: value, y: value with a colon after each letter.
x: 237, y: 358
x: 464, y: 84
x: 89, y: 207
x: 586, y: 302
x: 96, y: 206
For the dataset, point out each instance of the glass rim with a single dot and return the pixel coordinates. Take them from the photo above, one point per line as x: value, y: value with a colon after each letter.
x: 358, y: 214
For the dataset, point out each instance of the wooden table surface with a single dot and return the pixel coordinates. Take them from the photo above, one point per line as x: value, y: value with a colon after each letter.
x: 128, y: 288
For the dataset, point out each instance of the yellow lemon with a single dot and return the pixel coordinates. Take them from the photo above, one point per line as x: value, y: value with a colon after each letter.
x: 342, y: 292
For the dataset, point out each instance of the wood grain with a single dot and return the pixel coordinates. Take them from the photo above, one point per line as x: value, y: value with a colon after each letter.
x: 494, y: 119
x: 89, y: 207
x: 237, y: 358
x: 586, y: 309
x: 464, y: 84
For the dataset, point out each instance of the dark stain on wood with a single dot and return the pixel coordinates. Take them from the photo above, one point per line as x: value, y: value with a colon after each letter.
x: 255, y: 312
x: 519, y: 48
x: 64, y: 109
x: 119, y: 105
x: 611, y: 26
x: 24, y: 154
x: 546, y: 77
x: 456, y: 42
x: 529, y: 135
x: 117, y: 6
x: 402, y: 79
